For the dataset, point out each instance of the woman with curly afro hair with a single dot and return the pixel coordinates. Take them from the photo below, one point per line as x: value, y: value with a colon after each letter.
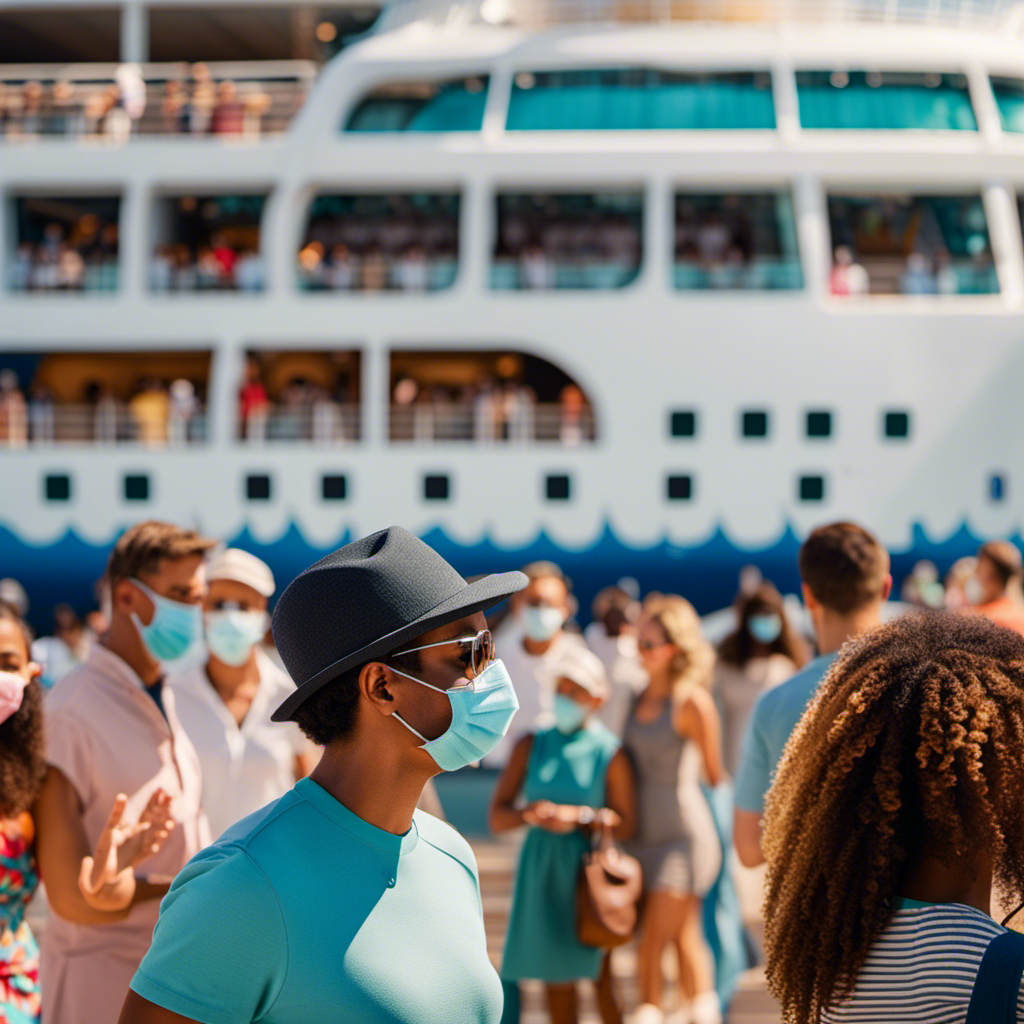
x: 897, y: 805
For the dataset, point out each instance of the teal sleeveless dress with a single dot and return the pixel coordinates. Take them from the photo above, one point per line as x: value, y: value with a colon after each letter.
x: 541, y: 942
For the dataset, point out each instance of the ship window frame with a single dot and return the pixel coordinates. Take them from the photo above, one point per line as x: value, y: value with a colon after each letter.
x: 812, y: 488
x: 891, y: 429
x: 865, y: 74
x: 683, y: 417
x: 57, y: 487
x: 437, y: 486
x: 667, y: 75
x: 369, y: 92
x: 254, y: 484
x: 680, y: 487
x: 558, y: 486
x: 821, y: 417
x: 748, y: 431
x: 998, y: 486
x: 136, y: 487
x: 329, y: 482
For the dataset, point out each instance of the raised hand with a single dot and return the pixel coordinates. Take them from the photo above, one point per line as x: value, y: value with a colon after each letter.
x: 107, y: 880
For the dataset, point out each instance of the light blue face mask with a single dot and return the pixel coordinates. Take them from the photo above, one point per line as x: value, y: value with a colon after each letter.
x: 542, y: 622
x: 482, y: 711
x: 232, y: 634
x: 569, y: 714
x: 173, y: 628
x: 765, y: 628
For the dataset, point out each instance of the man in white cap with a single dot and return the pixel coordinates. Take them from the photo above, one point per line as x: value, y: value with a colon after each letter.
x: 225, y: 704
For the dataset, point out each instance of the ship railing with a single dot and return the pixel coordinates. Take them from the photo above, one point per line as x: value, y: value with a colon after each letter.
x: 319, y: 422
x: 990, y: 15
x: 39, y: 424
x: 488, y: 421
x: 114, y: 103
x: 556, y: 274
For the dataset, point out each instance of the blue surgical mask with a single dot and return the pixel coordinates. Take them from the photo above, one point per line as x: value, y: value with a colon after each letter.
x: 481, y: 714
x: 173, y: 628
x: 766, y: 629
x: 569, y: 714
x: 542, y: 622
x: 231, y: 635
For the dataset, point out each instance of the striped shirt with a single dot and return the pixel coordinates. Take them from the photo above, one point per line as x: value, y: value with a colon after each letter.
x: 922, y: 967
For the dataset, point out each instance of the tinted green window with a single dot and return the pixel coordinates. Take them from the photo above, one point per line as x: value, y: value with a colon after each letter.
x: 738, y: 241
x: 639, y: 98
x: 1009, y: 93
x: 422, y: 107
x: 877, y: 101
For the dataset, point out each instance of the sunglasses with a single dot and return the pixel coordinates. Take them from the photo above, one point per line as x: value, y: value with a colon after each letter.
x: 651, y: 645
x: 482, y: 650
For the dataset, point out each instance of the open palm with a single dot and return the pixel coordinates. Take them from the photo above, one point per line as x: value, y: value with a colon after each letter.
x: 122, y: 847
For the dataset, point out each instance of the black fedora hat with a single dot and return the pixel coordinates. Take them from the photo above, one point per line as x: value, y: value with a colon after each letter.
x: 367, y: 599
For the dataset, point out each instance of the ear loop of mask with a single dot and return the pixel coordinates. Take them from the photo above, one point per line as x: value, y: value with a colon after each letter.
x: 415, y: 732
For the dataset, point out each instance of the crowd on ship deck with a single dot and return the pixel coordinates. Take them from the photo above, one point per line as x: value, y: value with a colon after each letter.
x: 699, y: 749
x: 193, y: 102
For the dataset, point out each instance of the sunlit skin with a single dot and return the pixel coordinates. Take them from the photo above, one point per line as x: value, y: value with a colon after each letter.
x: 378, y: 772
x: 990, y: 581
x: 831, y: 630
x: 62, y: 845
x: 670, y: 918
x: 619, y: 815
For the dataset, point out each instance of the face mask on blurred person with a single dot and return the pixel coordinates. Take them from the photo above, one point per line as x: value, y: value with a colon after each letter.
x: 231, y: 635
x: 973, y: 590
x: 569, y: 714
x: 173, y: 628
x: 765, y: 629
x: 542, y: 622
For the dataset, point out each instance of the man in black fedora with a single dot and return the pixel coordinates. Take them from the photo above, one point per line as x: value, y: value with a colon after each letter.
x: 341, y: 903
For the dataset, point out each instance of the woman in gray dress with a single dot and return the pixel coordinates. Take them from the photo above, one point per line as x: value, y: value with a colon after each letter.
x: 673, y: 737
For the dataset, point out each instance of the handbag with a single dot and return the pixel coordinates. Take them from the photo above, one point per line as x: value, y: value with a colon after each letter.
x: 608, y: 892
x: 994, y: 998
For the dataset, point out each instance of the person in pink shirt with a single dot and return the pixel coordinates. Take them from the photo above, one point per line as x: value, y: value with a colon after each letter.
x: 113, y: 739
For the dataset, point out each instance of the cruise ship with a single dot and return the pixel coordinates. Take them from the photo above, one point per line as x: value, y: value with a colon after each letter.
x: 648, y: 287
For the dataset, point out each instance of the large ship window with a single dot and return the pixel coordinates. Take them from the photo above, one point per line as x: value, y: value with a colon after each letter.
x: 745, y: 241
x: 374, y: 243
x: 454, y: 106
x: 640, y: 98
x: 1009, y: 93
x: 105, y: 398
x: 884, y: 100
x: 486, y: 397
x: 207, y: 243
x: 65, y: 244
x: 910, y: 245
x: 299, y: 395
x: 576, y: 240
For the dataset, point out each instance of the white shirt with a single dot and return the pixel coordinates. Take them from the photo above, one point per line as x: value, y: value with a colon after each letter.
x: 534, y: 688
x: 244, y: 766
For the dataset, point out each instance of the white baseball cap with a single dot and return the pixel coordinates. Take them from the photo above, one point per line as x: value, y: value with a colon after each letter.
x: 582, y: 666
x: 241, y: 567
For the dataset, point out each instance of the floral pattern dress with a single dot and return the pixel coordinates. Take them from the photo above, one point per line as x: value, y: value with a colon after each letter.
x: 19, y: 954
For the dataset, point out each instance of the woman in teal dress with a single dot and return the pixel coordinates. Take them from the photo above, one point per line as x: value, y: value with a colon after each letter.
x: 561, y: 782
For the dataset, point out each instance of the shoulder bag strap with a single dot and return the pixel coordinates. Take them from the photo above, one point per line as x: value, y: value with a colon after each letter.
x: 997, y: 986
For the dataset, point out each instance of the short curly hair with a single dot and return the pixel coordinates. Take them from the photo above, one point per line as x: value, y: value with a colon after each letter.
x: 913, y: 744
x: 22, y: 750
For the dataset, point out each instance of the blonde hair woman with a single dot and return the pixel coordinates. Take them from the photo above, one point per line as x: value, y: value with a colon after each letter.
x: 673, y: 737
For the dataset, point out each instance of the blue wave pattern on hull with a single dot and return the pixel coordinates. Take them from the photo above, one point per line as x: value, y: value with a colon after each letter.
x: 706, y: 573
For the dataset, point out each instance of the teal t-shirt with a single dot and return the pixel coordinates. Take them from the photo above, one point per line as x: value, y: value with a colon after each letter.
x: 304, y: 912
x: 772, y: 722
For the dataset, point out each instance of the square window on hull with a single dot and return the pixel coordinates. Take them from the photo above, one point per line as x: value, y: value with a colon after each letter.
x: 811, y: 488
x: 897, y: 425
x: 136, y: 487
x: 683, y: 423
x: 334, y: 487
x: 437, y: 487
x: 819, y: 424
x: 257, y: 487
x: 57, y: 487
x: 754, y: 424
x: 557, y: 487
x: 679, y: 487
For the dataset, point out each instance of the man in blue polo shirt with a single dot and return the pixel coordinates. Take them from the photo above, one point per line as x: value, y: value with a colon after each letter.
x: 845, y: 575
x: 341, y: 903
